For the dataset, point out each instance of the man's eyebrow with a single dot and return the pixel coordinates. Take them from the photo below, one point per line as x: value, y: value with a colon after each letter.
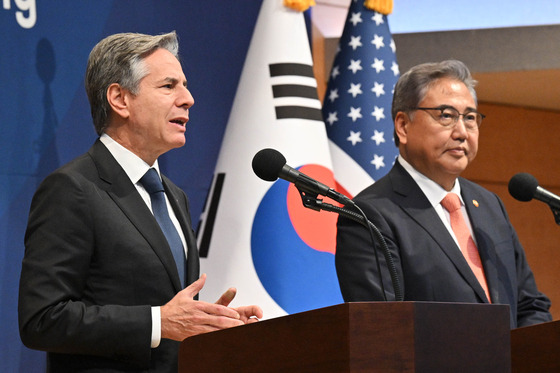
x: 468, y: 109
x: 174, y: 81
x: 170, y: 80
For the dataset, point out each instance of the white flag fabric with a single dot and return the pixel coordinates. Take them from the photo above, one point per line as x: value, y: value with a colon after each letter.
x: 256, y: 235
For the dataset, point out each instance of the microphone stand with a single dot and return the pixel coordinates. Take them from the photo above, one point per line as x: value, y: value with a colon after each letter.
x: 556, y: 213
x: 311, y: 201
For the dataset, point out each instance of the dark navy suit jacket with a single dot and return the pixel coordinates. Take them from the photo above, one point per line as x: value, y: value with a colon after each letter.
x: 429, y: 263
x: 95, y: 262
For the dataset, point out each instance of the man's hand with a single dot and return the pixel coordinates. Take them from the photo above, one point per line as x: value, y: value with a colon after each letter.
x: 247, y: 314
x: 183, y: 317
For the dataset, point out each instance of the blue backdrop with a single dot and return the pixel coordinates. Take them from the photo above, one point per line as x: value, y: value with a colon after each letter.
x: 45, y: 118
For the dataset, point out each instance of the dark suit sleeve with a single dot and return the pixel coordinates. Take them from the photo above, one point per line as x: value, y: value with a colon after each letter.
x: 532, y: 305
x: 356, y: 259
x: 56, y: 308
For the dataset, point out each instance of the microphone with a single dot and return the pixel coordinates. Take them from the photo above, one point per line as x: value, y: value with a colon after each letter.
x: 270, y: 164
x: 524, y: 187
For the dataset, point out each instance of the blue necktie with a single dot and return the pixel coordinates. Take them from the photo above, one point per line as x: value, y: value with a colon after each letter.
x: 152, y: 183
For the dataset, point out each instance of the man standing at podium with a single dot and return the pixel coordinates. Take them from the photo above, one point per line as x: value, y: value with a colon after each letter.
x: 451, y: 240
x: 110, y: 274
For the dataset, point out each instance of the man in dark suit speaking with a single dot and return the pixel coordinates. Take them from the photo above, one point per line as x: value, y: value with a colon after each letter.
x: 110, y: 273
x: 451, y: 240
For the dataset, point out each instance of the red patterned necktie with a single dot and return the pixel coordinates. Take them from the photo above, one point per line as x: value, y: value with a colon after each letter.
x: 452, y: 204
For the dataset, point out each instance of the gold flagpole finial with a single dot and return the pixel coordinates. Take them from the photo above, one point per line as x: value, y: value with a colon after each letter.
x: 381, y: 6
x: 299, y: 5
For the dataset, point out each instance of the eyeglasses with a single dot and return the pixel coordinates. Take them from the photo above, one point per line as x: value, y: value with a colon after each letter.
x: 449, y: 116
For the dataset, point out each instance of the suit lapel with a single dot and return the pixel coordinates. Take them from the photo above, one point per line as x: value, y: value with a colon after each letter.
x: 415, y: 204
x: 127, y: 198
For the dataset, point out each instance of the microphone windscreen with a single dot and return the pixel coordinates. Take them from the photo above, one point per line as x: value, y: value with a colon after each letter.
x: 268, y: 163
x: 523, y: 186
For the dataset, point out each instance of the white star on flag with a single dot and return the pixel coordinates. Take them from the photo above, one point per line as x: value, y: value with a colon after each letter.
x: 355, y: 66
x: 395, y: 69
x: 355, y: 18
x: 378, y: 41
x: 378, y: 65
x: 378, y: 89
x: 355, y: 89
x: 378, y: 137
x: 378, y: 161
x: 355, y: 113
x: 378, y: 113
x: 355, y: 137
x: 332, y: 118
x: 378, y: 19
x: 333, y: 95
x: 335, y: 72
x: 355, y: 42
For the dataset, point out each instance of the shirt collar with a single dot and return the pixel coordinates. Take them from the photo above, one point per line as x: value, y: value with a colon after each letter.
x: 133, y: 165
x: 432, y: 190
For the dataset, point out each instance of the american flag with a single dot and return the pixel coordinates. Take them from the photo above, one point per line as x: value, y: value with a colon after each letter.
x: 357, y: 104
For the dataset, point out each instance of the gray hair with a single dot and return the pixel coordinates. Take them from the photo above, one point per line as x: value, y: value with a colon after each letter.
x: 413, y: 85
x: 119, y: 58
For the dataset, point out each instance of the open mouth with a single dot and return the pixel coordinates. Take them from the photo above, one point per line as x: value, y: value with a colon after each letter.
x: 180, y: 122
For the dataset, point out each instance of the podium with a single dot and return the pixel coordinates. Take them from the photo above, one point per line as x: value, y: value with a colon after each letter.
x: 536, y: 348
x: 361, y: 337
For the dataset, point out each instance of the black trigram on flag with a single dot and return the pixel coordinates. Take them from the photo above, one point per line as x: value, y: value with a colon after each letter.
x: 206, y: 223
x: 295, y: 91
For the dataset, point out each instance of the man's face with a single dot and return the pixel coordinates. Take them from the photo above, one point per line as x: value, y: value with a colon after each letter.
x: 160, y: 111
x: 438, y: 152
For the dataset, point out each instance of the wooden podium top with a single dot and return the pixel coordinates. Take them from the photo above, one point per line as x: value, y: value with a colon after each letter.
x: 536, y: 348
x: 361, y: 337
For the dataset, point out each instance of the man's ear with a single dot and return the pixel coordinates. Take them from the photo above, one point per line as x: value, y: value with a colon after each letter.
x: 402, y: 122
x: 117, y: 97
